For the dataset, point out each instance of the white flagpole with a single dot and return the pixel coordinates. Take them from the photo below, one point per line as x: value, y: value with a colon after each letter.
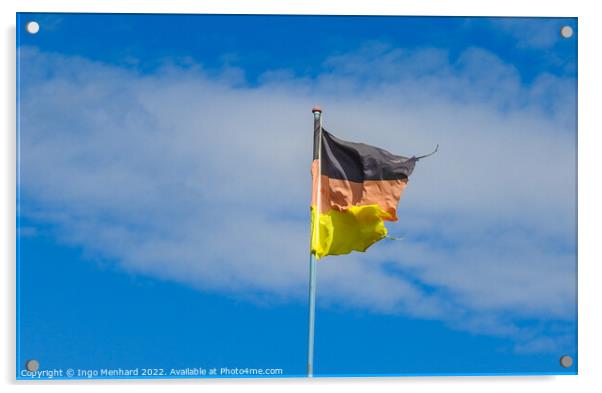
x: 312, y: 260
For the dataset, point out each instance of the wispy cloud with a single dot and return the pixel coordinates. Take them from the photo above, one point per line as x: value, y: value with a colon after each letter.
x: 531, y: 33
x: 199, y: 178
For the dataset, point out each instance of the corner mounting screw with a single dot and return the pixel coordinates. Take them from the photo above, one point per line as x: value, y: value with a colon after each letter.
x: 32, y: 365
x: 566, y: 32
x: 566, y: 361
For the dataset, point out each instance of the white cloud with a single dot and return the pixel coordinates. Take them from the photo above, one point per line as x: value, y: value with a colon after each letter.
x: 205, y: 180
x: 541, y: 33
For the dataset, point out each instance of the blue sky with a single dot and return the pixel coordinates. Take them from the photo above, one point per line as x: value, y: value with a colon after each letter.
x: 164, y: 191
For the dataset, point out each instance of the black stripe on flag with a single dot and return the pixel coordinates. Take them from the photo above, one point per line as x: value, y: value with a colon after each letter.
x: 358, y: 162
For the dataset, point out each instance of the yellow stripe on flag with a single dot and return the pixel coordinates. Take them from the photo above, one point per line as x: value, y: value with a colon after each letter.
x: 354, y: 229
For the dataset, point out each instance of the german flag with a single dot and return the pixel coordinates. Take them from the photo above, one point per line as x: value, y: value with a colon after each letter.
x: 356, y: 187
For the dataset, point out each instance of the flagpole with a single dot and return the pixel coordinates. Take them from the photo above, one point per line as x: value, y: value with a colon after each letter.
x: 312, y: 312
x: 312, y: 259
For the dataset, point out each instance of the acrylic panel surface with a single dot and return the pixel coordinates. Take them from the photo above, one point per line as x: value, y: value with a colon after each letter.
x: 164, y: 189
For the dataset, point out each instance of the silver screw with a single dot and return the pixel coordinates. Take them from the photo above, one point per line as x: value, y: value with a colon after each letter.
x: 32, y: 365
x: 32, y: 27
x: 566, y: 361
x: 566, y: 31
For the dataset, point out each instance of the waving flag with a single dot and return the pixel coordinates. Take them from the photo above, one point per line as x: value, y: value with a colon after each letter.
x: 356, y: 187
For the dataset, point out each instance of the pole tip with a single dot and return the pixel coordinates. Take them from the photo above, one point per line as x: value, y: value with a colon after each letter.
x: 316, y: 108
